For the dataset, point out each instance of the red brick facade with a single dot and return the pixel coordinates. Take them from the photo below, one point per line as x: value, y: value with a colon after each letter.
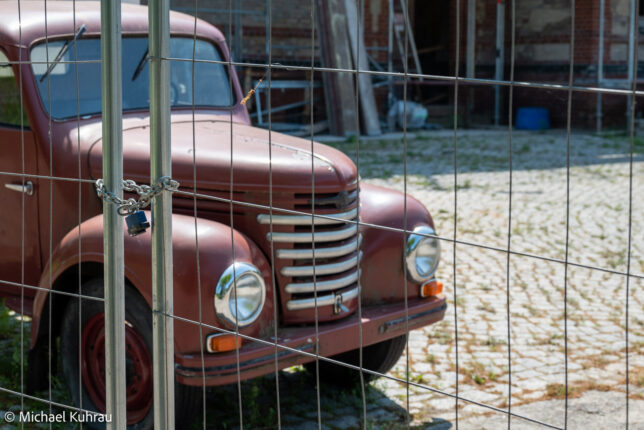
x: 543, y: 36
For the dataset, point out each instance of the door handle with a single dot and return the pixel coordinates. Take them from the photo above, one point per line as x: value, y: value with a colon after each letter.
x: 27, y: 188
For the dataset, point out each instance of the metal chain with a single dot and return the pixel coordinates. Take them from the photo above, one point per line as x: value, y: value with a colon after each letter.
x: 146, y: 194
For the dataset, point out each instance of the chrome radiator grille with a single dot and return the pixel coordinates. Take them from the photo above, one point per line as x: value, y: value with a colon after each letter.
x: 333, y: 238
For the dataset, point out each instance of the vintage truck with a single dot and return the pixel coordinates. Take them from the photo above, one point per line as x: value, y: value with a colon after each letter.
x: 51, y: 226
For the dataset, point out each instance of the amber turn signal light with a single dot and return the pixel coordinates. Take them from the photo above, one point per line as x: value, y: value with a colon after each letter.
x: 223, y: 342
x: 431, y: 288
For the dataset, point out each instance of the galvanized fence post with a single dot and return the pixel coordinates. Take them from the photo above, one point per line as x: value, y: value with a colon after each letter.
x: 113, y: 223
x: 160, y: 166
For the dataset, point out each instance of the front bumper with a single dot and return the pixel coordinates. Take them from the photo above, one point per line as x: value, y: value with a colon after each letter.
x: 379, y: 323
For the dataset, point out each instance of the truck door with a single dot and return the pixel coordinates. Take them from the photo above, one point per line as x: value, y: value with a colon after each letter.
x: 19, y: 238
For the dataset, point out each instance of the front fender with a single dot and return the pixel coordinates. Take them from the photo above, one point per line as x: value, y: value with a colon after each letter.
x: 215, y: 255
x: 383, y: 275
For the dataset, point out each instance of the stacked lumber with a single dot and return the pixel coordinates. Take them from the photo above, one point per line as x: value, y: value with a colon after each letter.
x: 343, y: 48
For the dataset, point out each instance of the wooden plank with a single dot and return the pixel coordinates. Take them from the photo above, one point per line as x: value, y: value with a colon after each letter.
x: 339, y: 89
x: 412, y: 41
x: 368, y: 109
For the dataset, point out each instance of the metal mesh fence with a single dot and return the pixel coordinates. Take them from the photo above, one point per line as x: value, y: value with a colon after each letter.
x: 281, y: 276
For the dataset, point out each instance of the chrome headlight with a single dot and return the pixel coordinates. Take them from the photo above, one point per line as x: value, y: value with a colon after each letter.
x: 422, y: 254
x: 240, y: 295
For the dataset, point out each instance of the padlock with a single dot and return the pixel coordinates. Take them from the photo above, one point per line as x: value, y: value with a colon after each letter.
x: 137, y: 223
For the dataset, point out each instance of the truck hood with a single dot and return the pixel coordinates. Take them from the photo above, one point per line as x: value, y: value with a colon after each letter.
x: 246, y: 159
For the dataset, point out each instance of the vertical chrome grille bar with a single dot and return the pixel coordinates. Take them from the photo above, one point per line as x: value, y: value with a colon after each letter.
x: 338, y: 247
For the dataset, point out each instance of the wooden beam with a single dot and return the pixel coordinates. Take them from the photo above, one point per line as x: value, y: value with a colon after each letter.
x: 339, y: 89
x: 368, y: 109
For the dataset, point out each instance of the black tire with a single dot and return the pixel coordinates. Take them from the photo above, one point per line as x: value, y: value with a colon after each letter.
x: 139, y: 317
x: 380, y: 357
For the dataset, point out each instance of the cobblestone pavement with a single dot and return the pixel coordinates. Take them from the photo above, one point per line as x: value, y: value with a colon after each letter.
x: 477, y: 321
x: 597, y: 236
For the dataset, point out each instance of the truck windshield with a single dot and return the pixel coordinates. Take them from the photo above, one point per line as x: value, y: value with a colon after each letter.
x: 58, y: 91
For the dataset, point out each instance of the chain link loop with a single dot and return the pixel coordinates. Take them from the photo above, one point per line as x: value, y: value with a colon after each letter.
x: 146, y: 194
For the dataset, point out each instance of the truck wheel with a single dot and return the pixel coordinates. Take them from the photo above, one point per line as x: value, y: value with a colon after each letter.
x: 380, y: 357
x: 89, y: 391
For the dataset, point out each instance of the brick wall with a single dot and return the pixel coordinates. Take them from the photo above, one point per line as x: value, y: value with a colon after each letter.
x: 291, y: 26
x: 543, y: 36
x: 542, y: 42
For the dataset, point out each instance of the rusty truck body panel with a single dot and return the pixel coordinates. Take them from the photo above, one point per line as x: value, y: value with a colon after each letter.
x: 62, y: 239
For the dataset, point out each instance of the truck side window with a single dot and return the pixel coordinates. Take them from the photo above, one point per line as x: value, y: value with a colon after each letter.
x: 9, y: 96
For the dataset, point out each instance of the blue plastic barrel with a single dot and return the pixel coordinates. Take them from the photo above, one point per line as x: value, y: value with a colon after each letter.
x: 532, y: 118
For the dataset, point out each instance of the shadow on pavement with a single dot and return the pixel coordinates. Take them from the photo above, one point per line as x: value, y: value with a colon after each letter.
x: 432, y: 153
x: 298, y: 399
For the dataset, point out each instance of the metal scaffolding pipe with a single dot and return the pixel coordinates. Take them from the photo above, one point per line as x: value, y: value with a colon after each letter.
x: 600, y: 64
x: 238, y: 35
x: 500, y: 56
x: 631, y: 57
x: 160, y: 166
x: 410, y: 37
x: 471, y: 38
x: 390, y: 55
x: 114, y: 277
x: 470, y: 60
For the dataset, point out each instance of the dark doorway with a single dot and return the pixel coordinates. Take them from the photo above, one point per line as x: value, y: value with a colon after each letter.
x: 432, y: 30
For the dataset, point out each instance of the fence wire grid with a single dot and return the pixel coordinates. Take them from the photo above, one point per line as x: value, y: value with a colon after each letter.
x: 541, y: 261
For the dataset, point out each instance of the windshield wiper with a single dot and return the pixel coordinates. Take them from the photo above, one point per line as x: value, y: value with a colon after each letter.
x: 62, y: 52
x: 141, y: 65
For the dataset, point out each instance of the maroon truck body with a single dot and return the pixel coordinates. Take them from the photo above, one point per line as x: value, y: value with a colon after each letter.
x: 63, y: 227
